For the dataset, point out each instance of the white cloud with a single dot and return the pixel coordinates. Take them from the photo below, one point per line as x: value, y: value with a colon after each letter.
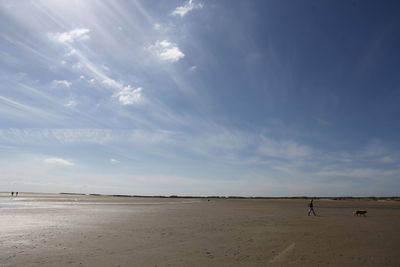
x: 71, y: 52
x: 172, y: 54
x: 166, y: 51
x: 160, y: 27
x: 77, y: 66
x: 58, y: 161
x: 157, y: 26
x: 188, y: 6
x: 64, y: 83
x: 193, y: 69
x: 113, y: 83
x: 128, y: 95
x: 71, y: 104
x: 71, y: 36
x: 114, y: 161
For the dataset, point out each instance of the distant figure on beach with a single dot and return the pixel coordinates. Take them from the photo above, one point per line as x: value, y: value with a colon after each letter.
x: 16, y: 194
x: 12, y: 194
x: 311, y: 206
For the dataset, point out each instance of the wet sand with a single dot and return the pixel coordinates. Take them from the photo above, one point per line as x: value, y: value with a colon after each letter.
x: 68, y: 230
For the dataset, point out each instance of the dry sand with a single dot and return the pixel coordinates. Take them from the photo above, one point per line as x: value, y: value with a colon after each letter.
x: 65, y: 230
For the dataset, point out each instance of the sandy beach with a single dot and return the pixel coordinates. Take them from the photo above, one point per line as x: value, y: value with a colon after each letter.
x: 78, y: 230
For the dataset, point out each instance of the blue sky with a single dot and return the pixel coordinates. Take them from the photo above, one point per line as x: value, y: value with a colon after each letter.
x: 250, y: 98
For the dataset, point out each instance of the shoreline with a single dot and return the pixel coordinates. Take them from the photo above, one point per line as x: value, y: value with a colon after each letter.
x: 391, y: 198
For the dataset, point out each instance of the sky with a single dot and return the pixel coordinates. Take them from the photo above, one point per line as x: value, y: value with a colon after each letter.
x: 200, y: 97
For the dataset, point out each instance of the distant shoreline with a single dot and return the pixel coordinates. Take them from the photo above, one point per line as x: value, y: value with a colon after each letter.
x: 241, y: 197
x: 372, y: 198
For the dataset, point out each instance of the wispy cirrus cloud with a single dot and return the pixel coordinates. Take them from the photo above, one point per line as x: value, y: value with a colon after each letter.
x: 126, y: 94
x: 186, y: 8
x: 81, y: 136
x: 387, y: 159
x: 286, y: 149
x: 283, y: 159
x: 58, y: 161
x: 166, y: 51
x: 63, y: 83
x: 113, y: 83
x: 21, y: 110
x: 71, y: 36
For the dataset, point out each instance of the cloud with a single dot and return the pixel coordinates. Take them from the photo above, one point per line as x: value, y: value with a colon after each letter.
x: 162, y: 27
x: 166, y: 51
x: 285, y: 149
x: 113, y: 83
x: 374, y: 148
x: 14, y: 108
x: 128, y: 95
x: 114, y: 161
x: 193, y: 69
x: 63, y: 83
x: 77, y: 136
x: 157, y: 26
x: 358, y: 173
x: 104, y: 67
x: 71, y: 36
x: 58, y: 161
x: 71, y: 52
x: 387, y: 159
x: 186, y: 8
x: 77, y: 66
x: 71, y: 104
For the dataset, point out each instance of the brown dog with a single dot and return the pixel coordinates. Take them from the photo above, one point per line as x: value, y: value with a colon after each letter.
x: 359, y: 212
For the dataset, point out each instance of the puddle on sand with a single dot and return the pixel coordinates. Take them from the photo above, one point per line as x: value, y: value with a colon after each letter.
x: 37, y: 204
x: 11, y: 205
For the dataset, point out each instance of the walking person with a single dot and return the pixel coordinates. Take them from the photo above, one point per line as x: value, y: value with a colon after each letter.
x: 311, y: 208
